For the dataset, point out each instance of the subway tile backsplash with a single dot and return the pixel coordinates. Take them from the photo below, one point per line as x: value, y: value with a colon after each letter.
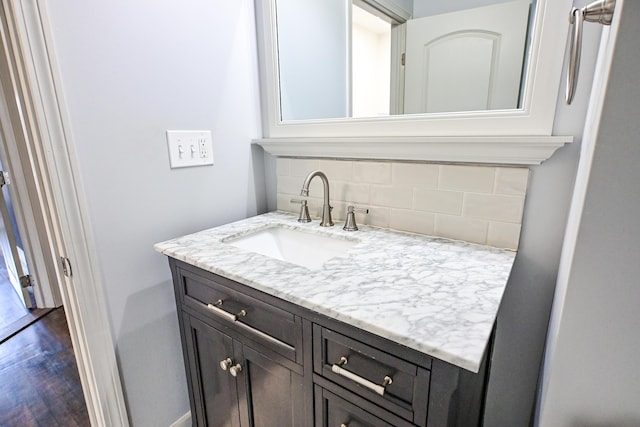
x: 479, y: 204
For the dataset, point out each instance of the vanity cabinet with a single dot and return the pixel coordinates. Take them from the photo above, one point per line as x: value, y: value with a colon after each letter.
x: 255, y: 360
x: 243, y: 356
x: 234, y: 384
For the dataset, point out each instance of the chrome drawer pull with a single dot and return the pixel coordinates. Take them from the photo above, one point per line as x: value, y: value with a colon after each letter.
x: 221, y: 312
x: 215, y: 307
x: 336, y: 368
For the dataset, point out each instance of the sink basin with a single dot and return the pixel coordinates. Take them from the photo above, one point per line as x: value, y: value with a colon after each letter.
x: 299, y: 247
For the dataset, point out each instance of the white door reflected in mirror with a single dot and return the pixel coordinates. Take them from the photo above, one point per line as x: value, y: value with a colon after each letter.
x: 470, y: 60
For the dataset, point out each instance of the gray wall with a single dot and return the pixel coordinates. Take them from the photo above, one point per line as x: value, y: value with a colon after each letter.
x: 524, y: 312
x: 131, y: 70
x: 312, y: 51
x: 422, y: 8
x: 591, y: 376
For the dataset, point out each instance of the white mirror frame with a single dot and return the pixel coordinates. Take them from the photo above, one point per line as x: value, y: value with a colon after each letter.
x: 519, y: 136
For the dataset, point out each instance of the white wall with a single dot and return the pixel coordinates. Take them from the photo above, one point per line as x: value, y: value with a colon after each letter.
x: 130, y: 70
x: 371, y: 70
x: 591, y: 366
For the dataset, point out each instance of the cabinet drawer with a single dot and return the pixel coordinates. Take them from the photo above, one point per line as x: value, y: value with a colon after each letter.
x: 332, y: 410
x: 260, y: 321
x: 379, y: 376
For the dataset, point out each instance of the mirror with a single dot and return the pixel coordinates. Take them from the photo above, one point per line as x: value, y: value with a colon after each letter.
x: 517, y: 133
x: 375, y: 58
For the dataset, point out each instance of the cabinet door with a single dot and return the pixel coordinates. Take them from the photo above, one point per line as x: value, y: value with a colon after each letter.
x: 270, y: 394
x: 214, y: 389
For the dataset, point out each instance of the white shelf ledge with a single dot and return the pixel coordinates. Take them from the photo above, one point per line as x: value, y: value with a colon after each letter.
x: 512, y: 150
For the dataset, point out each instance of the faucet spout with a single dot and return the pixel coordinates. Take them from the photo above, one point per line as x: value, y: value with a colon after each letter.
x: 326, y: 208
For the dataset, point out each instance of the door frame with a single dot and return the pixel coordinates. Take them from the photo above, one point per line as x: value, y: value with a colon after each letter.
x: 18, y: 155
x: 50, y: 157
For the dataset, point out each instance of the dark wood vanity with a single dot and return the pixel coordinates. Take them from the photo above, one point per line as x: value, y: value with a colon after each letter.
x: 256, y: 360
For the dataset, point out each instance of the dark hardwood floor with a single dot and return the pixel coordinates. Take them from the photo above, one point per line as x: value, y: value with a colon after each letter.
x: 39, y: 381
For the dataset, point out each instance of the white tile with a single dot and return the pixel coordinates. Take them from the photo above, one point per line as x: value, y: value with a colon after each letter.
x: 289, y: 185
x: 372, y: 172
x: 350, y: 193
x: 467, y: 229
x: 392, y: 196
x: 377, y: 216
x: 339, y: 212
x: 504, y: 235
x: 493, y: 207
x: 302, y: 167
x: 337, y: 170
x: 293, y: 185
x: 449, y: 202
x: 283, y: 204
x: 412, y: 221
x: 420, y: 175
x: 466, y: 178
x: 316, y: 188
x: 512, y: 181
x: 282, y: 166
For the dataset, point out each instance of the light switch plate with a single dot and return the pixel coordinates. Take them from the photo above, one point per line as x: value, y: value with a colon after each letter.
x: 189, y: 148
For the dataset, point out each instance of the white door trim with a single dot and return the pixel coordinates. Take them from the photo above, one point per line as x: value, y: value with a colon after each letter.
x: 20, y: 157
x: 70, y: 233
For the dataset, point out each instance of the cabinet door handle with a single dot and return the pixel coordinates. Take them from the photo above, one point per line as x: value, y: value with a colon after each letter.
x: 225, y: 364
x: 363, y: 381
x: 220, y: 312
x: 235, y: 370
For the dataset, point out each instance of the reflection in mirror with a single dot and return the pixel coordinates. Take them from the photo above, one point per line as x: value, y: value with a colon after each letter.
x: 372, y: 58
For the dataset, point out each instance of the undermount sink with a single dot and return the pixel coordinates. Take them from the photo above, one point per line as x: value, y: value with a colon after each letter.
x: 298, y: 247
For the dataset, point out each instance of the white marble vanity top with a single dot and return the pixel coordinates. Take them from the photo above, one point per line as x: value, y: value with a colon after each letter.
x: 434, y: 295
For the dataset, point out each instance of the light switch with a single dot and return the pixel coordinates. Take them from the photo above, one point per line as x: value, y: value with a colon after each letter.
x: 189, y: 148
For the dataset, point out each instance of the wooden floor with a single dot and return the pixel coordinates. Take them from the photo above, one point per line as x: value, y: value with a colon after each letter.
x: 39, y: 382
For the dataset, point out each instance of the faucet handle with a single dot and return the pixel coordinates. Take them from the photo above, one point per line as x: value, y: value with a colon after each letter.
x: 350, y: 223
x: 304, y: 210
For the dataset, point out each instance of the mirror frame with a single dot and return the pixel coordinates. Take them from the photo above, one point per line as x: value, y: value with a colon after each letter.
x: 519, y: 136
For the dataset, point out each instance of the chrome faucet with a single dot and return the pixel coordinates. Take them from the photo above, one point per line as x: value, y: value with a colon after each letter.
x: 326, y: 208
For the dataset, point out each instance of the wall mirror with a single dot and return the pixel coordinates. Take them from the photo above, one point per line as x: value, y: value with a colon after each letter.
x: 410, y: 68
x: 365, y: 58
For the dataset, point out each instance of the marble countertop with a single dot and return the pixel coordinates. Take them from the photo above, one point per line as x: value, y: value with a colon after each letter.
x: 434, y: 295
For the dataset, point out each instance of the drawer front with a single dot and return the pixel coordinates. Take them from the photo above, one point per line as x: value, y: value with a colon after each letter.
x: 379, y: 376
x: 332, y: 410
x: 260, y: 321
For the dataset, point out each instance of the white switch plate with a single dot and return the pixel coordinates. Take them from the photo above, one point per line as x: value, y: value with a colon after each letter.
x: 189, y: 148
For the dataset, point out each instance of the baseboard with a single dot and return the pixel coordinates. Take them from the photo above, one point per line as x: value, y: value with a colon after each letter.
x: 183, y: 421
